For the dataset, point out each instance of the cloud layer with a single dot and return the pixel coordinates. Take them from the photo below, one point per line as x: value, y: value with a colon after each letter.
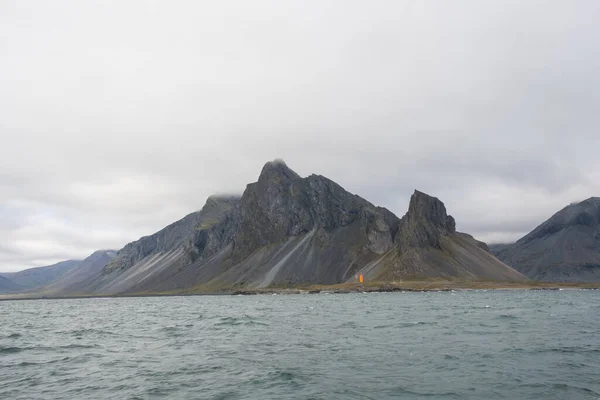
x: 117, y: 118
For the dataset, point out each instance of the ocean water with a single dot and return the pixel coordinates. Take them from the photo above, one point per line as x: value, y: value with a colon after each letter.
x: 448, y: 345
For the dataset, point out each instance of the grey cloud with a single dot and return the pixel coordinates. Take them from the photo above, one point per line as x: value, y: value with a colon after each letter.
x: 117, y: 119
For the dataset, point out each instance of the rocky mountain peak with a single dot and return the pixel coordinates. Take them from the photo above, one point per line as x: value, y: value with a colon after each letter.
x: 425, y: 222
x: 590, y: 206
x: 590, y: 202
x: 428, y: 209
x: 564, y: 248
x: 217, y: 200
x: 98, y: 254
x: 588, y: 212
x: 277, y: 172
x: 584, y: 213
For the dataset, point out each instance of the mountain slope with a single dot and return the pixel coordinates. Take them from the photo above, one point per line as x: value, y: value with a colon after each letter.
x: 428, y: 246
x: 76, y: 279
x: 36, y: 277
x: 565, y: 248
x: 172, y: 248
x: 8, y: 286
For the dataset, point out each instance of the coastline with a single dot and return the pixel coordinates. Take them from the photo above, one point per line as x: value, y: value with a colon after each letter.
x: 343, y: 288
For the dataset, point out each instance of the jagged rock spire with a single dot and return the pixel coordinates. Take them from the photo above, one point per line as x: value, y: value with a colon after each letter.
x: 425, y: 222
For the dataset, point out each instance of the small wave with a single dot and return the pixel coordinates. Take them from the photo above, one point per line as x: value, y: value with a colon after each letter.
x: 172, y: 330
x: 570, y: 364
x: 413, y: 324
x: 572, y: 349
x: 84, y: 332
x: 483, y: 325
x: 481, y: 332
x: 78, y: 346
x: 10, y: 350
x: 383, y: 326
x: 485, y: 307
x: 283, y: 375
x: 280, y: 377
x: 507, y: 316
x: 414, y: 394
x: 234, y: 321
x: 27, y: 364
x: 563, y: 387
x: 226, y: 395
x: 14, y: 336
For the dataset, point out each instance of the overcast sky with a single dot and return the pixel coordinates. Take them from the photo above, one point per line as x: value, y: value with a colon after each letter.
x: 119, y: 117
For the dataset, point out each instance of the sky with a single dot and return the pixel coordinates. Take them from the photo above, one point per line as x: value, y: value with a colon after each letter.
x: 120, y: 117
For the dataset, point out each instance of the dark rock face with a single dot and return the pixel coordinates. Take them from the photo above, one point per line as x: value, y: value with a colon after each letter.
x: 425, y: 223
x: 281, y: 204
x: 565, y: 248
x: 187, y: 233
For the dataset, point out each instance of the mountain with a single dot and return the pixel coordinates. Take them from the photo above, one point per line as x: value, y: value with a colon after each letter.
x: 428, y: 246
x: 36, y: 277
x: 76, y: 279
x: 565, y: 248
x: 8, y: 286
x: 61, y: 278
x: 288, y: 230
x: 283, y: 230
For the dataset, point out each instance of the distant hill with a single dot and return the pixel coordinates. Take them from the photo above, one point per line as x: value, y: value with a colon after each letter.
x: 8, y: 286
x: 77, y: 277
x: 36, y: 277
x: 565, y: 248
x: 288, y: 230
x: 63, y: 277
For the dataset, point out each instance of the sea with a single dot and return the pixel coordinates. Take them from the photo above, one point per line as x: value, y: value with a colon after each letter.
x: 476, y: 344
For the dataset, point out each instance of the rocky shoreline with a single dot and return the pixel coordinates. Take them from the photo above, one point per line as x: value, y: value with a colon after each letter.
x: 406, y: 287
x: 411, y: 287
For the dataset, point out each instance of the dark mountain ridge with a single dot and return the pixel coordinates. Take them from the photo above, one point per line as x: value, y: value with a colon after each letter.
x: 289, y: 230
x: 283, y: 230
x: 565, y: 248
